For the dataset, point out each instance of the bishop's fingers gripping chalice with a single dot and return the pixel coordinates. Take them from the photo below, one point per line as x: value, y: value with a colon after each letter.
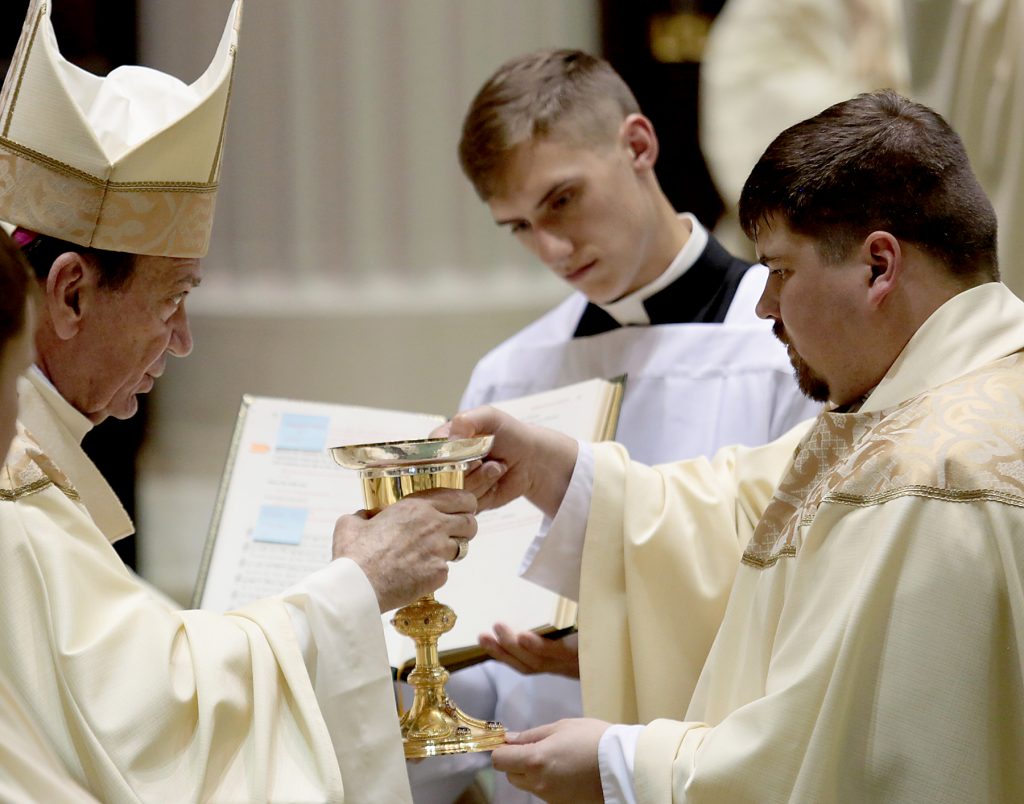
x: 433, y: 725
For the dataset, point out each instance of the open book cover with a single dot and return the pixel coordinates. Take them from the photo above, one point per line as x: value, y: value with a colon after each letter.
x: 281, y: 493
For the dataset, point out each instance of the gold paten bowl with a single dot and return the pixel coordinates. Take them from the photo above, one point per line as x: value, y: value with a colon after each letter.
x: 392, y: 470
x: 424, y: 451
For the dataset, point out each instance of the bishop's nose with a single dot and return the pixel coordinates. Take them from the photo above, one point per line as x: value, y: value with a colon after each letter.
x: 181, y: 336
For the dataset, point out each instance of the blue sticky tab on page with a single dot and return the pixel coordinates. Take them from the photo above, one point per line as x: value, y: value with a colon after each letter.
x: 303, y: 432
x: 280, y: 524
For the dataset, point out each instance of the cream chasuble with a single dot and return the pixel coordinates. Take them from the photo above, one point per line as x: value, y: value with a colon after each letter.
x: 871, y: 646
x: 142, y: 701
x: 29, y: 770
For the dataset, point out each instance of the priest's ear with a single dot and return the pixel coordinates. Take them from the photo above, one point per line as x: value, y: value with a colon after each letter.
x: 637, y: 135
x: 71, y: 278
x: 883, y: 261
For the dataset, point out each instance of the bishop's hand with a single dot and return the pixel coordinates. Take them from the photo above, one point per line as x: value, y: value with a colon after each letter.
x: 405, y: 548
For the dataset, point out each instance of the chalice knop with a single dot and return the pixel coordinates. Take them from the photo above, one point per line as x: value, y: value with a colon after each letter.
x: 433, y: 725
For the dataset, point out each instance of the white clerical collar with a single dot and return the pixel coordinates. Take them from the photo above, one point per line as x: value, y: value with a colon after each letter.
x: 630, y: 310
x: 77, y: 423
x: 58, y: 429
x: 971, y: 329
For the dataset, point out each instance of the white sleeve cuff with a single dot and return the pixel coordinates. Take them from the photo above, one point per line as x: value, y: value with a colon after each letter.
x: 336, y: 619
x: 314, y: 591
x: 615, y: 755
x: 555, y: 556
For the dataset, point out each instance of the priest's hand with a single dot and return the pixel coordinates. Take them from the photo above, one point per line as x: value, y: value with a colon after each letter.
x: 526, y: 460
x: 556, y: 762
x: 404, y: 549
x: 529, y: 652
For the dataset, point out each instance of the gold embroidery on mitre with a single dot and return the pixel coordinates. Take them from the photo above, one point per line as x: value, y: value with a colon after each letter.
x: 41, y: 194
x: 105, y: 185
x: 961, y: 442
x: 28, y: 471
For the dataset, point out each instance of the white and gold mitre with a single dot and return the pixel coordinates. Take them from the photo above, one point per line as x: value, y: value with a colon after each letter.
x: 129, y: 162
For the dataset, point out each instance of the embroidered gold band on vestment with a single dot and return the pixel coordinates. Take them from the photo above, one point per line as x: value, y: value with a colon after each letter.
x: 962, y: 442
x: 173, y: 219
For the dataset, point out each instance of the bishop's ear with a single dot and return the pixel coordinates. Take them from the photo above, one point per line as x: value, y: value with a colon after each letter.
x: 70, y: 279
x: 637, y: 135
x: 884, y: 260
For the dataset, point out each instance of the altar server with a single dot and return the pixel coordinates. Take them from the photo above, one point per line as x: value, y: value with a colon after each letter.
x: 557, y: 147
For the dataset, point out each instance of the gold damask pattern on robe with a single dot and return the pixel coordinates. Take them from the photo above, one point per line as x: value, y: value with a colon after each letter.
x: 49, y: 197
x: 28, y: 471
x: 960, y: 442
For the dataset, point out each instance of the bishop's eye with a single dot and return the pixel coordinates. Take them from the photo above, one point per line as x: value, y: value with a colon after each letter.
x: 173, y: 304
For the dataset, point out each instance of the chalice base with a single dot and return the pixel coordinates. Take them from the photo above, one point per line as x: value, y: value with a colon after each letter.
x: 466, y: 735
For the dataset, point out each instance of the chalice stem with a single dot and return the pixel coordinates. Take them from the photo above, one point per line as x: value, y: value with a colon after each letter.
x: 433, y: 725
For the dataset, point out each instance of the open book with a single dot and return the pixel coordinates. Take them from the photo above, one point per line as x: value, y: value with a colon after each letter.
x: 281, y: 493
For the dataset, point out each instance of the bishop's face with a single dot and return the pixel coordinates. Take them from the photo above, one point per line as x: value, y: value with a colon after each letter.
x: 125, y: 338
x: 817, y: 312
x: 584, y: 212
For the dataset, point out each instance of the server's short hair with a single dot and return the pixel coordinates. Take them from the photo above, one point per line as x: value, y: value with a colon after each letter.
x: 566, y: 94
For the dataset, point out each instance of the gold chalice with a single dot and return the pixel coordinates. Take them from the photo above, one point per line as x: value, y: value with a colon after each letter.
x: 433, y: 725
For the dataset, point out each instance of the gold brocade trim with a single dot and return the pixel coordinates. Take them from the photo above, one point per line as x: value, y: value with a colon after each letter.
x: 949, y: 495
x: 867, y: 501
x: 27, y: 470
x: 961, y: 442
x: 118, y: 186
x: 764, y: 562
x: 161, y: 223
x: 23, y: 67
x: 10, y: 495
x: 43, y: 483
